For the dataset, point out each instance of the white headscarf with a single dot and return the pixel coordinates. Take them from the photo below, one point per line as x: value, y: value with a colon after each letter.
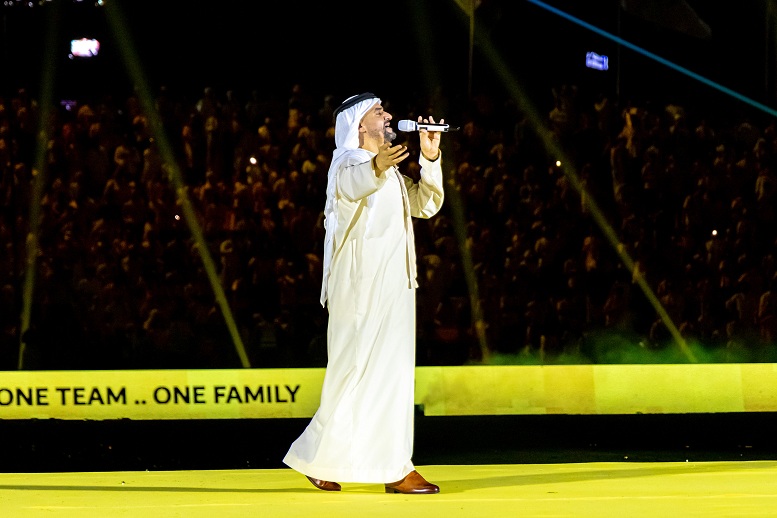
x: 347, y: 146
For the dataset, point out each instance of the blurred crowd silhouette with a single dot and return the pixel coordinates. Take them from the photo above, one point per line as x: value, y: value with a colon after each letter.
x: 515, y: 269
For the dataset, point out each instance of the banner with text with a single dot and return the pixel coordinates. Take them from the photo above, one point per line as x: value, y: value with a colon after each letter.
x: 440, y: 391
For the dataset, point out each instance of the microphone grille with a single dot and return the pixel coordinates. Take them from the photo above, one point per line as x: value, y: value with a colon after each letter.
x: 406, y: 125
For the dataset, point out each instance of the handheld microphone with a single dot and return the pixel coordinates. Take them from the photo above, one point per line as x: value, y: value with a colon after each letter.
x: 408, y: 125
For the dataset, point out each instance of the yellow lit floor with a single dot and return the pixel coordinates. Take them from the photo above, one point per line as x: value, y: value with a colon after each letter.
x: 600, y: 489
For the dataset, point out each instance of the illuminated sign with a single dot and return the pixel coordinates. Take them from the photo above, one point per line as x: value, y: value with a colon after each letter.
x: 596, y: 62
x: 84, y: 48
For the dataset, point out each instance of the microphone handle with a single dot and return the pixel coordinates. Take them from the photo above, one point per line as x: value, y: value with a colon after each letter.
x: 436, y: 127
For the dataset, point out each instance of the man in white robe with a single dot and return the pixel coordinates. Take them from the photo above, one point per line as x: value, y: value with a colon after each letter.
x: 363, y: 429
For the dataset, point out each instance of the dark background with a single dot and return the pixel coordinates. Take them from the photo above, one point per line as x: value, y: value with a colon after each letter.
x: 397, y: 48
x: 124, y: 445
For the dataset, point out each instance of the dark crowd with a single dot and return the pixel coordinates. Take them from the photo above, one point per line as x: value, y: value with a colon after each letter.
x: 515, y: 269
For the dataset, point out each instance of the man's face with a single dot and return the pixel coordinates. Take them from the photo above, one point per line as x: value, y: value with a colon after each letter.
x: 376, y: 123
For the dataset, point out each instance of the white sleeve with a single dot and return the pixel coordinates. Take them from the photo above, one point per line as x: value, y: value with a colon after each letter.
x: 357, y: 181
x: 427, y: 195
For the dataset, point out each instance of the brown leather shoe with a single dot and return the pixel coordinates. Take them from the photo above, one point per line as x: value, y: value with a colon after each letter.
x: 412, y: 484
x: 324, y: 485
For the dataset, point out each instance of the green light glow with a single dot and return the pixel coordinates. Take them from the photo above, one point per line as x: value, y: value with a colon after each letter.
x: 513, y: 87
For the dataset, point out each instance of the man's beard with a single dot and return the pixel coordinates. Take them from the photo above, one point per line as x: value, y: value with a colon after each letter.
x: 389, y: 135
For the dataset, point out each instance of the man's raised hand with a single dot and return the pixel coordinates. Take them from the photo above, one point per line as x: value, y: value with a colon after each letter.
x: 388, y: 156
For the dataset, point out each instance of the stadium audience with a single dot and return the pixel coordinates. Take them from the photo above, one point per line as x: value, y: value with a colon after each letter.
x: 515, y: 269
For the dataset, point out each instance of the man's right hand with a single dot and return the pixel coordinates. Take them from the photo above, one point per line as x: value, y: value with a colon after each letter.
x: 388, y: 156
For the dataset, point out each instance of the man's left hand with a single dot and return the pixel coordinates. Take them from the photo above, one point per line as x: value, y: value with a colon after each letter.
x: 430, y: 140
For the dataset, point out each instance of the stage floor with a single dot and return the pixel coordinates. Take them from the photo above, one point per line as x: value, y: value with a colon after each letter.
x: 598, y: 489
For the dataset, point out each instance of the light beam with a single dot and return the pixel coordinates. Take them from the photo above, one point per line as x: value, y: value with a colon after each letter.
x: 132, y: 62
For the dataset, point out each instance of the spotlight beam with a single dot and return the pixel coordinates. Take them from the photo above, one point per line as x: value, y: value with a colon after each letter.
x: 657, y: 58
x: 132, y: 62
x: 502, y: 69
x: 32, y: 248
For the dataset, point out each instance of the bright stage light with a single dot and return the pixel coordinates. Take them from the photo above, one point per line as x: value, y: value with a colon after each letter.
x: 596, y: 62
x: 84, y: 48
